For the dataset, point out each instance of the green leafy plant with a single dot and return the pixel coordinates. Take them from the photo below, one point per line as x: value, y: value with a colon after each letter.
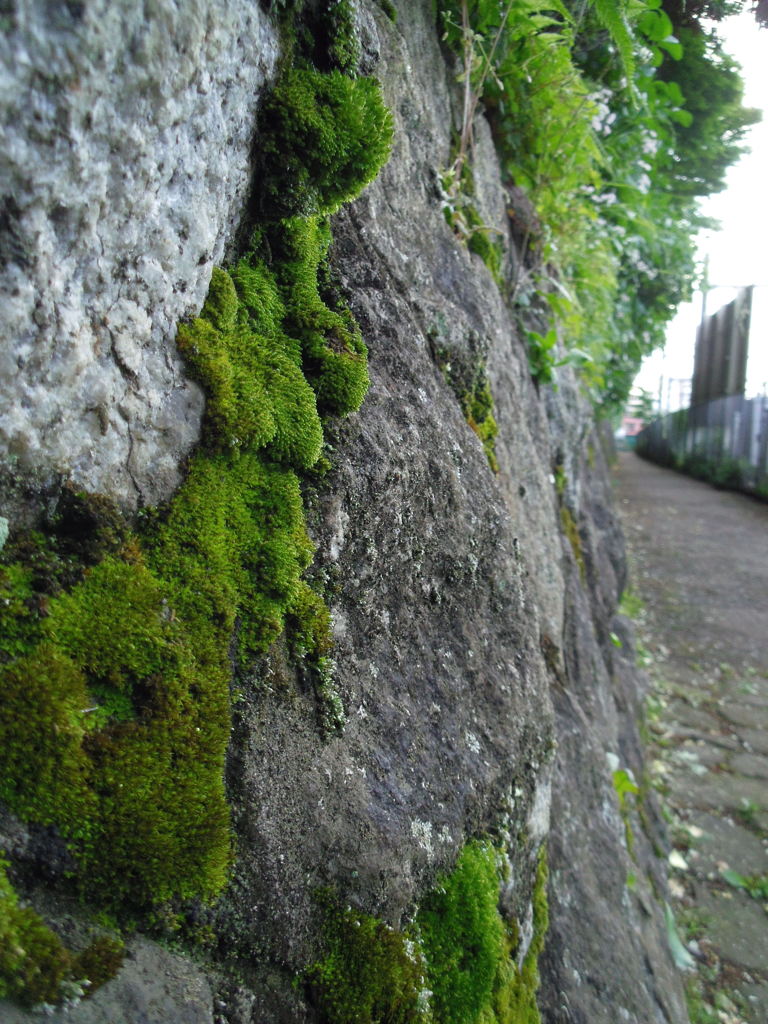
x: 591, y: 107
x: 631, y: 604
x: 755, y: 886
x: 625, y: 787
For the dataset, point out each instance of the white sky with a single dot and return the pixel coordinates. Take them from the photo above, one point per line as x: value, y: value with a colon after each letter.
x: 738, y: 252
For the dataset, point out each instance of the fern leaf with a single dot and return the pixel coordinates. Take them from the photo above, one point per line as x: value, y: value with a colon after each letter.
x: 612, y: 16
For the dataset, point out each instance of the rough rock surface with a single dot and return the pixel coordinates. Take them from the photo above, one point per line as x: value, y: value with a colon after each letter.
x: 440, y: 669
x: 154, y: 986
x: 127, y: 133
x: 465, y: 604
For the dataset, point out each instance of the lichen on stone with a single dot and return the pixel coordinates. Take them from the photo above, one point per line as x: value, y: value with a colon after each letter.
x: 466, y: 374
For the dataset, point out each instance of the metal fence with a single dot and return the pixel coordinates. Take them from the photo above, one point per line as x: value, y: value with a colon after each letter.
x: 724, y: 441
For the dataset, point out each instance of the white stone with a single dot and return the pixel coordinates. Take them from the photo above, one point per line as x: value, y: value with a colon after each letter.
x: 127, y: 136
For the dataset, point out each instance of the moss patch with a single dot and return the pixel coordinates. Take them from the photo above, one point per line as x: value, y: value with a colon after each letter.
x: 514, y: 997
x: 35, y: 965
x: 456, y: 964
x: 116, y: 646
x: 568, y: 524
x: 461, y: 215
x: 484, y: 242
x: 370, y: 972
x: 466, y: 375
x: 463, y: 935
x: 326, y: 137
x: 571, y: 530
x: 477, y: 407
x: 389, y: 9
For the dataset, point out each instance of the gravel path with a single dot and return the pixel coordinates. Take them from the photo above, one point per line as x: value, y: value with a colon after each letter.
x: 699, y: 561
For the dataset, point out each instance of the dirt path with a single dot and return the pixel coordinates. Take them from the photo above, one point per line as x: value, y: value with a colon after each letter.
x: 700, y: 564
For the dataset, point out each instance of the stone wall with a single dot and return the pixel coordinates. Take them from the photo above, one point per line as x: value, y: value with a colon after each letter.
x: 472, y: 609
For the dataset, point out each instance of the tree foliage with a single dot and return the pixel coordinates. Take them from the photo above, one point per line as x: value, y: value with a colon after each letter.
x: 704, y: 148
x: 616, y: 118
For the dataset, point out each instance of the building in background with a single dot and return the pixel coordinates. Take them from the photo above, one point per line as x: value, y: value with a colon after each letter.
x: 721, y: 434
x: 722, y: 345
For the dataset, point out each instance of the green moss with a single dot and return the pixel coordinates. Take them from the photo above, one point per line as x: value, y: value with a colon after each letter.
x: 370, y: 972
x: 309, y: 623
x: 116, y: 646
x: 463, y: 933
x: 477, y: 406
x: 256, y: 392
x: 324, y: 138
x: 389, y: 9
x: 141, y: 801
x: 111, y: 626
x: 457, y: 964
x: 515, y: 988
x: 468, y: 379
x: 128, y: 730
x: 571, y: 531
x: 43, y: 769
x: 567, y: 522
x: 38, y: 564
x: 18, y: 617
x: 162, y: 828
x: 99, y: 962
x: 484, y: 242
x: 334, y: 356
x: 35, y: 965
x: 33, y: 960
x: 344, y: 48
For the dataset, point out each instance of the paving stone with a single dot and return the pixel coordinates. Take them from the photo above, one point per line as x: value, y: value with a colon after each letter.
x: 756, y: 999
x: 757, y: 739
x: 695, y: 718
x: 754, y: 698
x: 750, y: 764
x: 724, y: 741
x: 709, y: 754
x: 721, y: 790
x: 710, y: 556
x: 740, y: 714
x: 737, y: 928
x: 727, y: 842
